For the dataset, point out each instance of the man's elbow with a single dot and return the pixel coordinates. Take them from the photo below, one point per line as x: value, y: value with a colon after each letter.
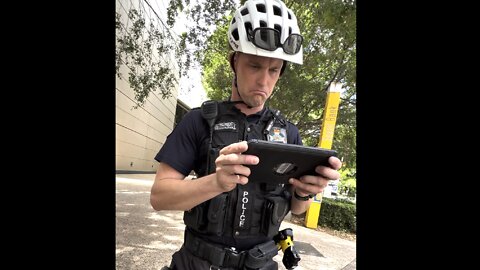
x: 154, y: 203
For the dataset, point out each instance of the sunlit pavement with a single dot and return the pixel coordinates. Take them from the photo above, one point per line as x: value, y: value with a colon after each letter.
x: 146, y: 239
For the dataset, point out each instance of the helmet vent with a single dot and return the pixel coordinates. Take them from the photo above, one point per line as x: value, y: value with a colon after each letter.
x: 261, y: 8
x: 248, y: 27
x: 263, y: 24
x: 277, y: 11
x: 233, y: 21
x: 244, y: 11
x: 289, y: 15
x: 279, y: 28
x: 235, y: 34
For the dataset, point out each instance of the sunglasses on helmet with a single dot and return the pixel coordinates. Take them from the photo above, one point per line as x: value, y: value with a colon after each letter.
x: 269, y: 39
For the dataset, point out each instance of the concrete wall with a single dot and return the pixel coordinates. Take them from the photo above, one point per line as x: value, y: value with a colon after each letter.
x: 141, y: 132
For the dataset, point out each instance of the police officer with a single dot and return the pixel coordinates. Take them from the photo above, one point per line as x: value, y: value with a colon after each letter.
x: 230, y: 223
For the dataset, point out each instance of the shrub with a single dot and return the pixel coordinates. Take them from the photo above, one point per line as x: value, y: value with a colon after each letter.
x: 338, y: 215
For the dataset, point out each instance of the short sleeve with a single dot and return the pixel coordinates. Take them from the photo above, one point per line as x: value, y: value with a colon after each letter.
x: 293, y: 134
x: 182, y: 146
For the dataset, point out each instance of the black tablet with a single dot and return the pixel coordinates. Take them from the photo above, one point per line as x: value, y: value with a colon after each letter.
x: 280, y: 162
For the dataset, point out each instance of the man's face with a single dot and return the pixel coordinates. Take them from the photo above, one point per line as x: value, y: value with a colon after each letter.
x: 256, y: 77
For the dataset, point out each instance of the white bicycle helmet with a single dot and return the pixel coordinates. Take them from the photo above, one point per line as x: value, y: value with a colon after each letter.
x: 251, y: 31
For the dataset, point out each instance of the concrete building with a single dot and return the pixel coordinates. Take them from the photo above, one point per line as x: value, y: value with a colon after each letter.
x: 141, y: 132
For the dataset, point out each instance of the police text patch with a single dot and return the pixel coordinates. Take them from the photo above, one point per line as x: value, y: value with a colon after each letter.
x: 226, y: 126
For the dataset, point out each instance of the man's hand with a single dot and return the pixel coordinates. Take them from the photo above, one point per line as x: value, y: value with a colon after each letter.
x: 230, y: 170
x: 309, y: 184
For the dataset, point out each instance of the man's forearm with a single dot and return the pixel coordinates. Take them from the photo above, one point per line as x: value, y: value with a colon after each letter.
x: 179, y: 194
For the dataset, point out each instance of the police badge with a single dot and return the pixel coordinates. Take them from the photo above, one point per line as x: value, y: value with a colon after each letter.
x: 277, y: 134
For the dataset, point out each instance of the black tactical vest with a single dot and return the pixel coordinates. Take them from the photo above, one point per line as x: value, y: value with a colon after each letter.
x: 249, y: 211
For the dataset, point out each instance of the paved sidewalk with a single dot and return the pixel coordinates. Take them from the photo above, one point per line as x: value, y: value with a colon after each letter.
x: 146, y: 239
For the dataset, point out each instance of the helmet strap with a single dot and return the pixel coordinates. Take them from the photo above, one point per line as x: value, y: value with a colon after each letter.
x: 238, y: 92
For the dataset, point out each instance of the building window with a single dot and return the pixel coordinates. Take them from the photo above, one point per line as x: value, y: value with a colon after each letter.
x: 181, y: 110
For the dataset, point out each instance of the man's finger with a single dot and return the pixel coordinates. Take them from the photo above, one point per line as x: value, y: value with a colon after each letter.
x: 234, y: 148
x: 236, y: 159
x: 335, y: 163
x: 327, y: 172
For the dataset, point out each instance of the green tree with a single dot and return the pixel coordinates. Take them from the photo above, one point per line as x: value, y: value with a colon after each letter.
x: 348, y: 182
x: 202, y: 14
x: 140, y: 47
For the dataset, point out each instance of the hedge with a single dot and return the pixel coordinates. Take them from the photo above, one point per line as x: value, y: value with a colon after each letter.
x: 338, y: 214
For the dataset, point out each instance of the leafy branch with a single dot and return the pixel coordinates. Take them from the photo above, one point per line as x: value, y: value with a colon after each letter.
x: 143, y: 50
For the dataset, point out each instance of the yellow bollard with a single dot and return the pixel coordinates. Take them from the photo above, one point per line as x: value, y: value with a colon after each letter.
x: 326, y: 139
x: 313, y: 212
x: 330, y: 116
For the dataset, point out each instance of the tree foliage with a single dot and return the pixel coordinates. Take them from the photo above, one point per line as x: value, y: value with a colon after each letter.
x: 203, y: 15
x: 141, y: 48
